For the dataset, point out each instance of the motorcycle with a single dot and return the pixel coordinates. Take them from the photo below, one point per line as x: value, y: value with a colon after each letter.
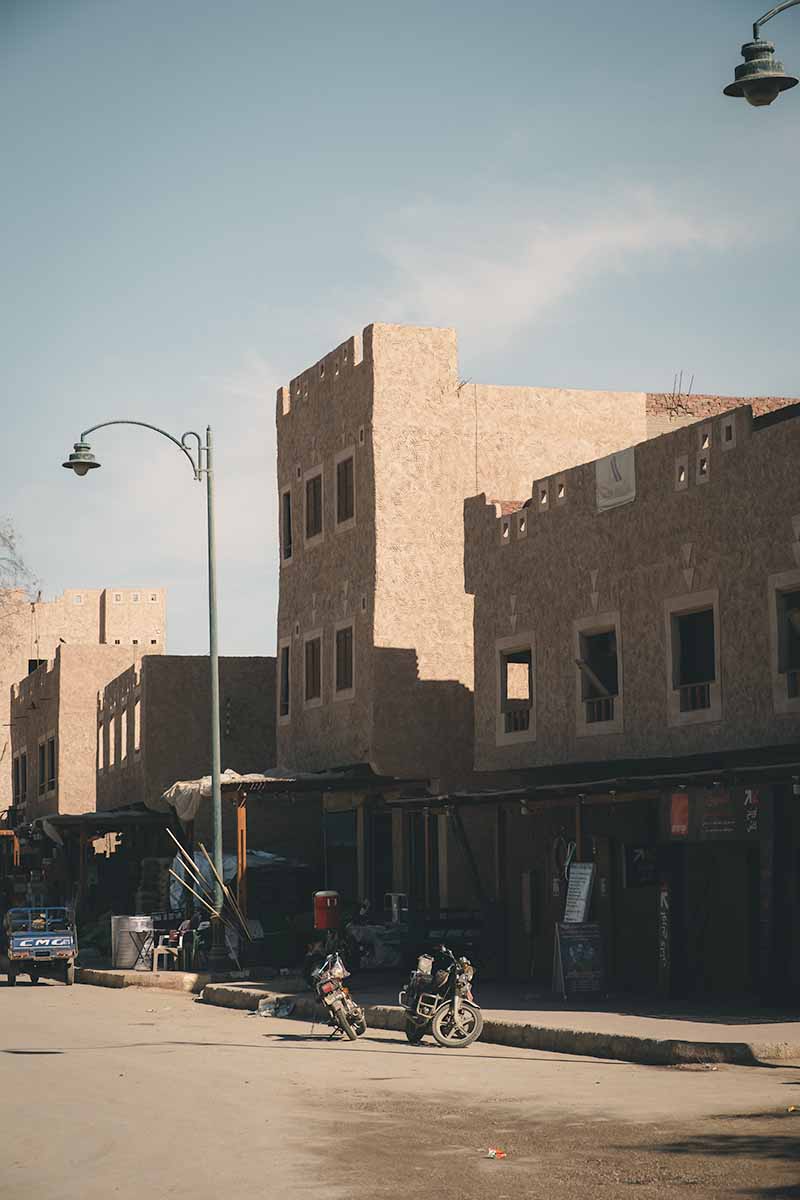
x: 438, y: 999
x: 344, y: 1014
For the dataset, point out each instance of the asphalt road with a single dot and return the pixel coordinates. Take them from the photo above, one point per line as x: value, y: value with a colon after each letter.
x: 134, y: 1093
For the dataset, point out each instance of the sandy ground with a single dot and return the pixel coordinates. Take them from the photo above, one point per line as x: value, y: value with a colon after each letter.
x: 126, y: 1093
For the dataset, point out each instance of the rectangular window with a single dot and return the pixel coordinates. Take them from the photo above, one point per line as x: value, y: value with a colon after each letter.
x: 42, y: 765
x: 135, y: 597
x: 516, y: 705
x: 101, y: 758
x: 345, y: 490
x: 343, y: 665
x: 15, y: 781
x: 284, y: 701
x: 51, y: 764
x: 123, y: 735
x: 286, y: 524
x: 599, y: 675
x: 694, y: 658
x: 35, y: 663
x: 23, y: 777
x: 314, y: 506
x: 137, y: 724
x: 112, y: 740
x: 694, y: 688
x: 789, y: 641
x: 313, y: 669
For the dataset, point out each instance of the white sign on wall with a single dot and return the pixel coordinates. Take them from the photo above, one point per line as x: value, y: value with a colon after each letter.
x: 579, y: 893
x: 616, y: 479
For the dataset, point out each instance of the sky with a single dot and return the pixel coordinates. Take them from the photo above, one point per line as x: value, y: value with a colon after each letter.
x: 200, y: 199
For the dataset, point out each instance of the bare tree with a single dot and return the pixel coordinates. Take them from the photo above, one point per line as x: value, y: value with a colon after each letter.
x: 17, y: 583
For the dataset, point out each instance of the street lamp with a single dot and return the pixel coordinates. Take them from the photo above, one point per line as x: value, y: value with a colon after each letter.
x: 761, y: 78
x: 81, y: 461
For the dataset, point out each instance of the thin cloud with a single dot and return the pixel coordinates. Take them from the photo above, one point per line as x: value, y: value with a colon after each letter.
x: 492, y: 279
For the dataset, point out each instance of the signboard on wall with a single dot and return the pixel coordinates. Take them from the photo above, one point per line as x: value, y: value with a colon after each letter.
x: 579, y: 892
x: 679, y: 814
x: 664, y: 935
x: 615, y: 479
x: 641, y: 866
x: 715, y: 814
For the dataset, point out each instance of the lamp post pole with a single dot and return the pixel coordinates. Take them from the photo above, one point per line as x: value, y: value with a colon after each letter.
x: 760, y: 79
x: 81, y: 461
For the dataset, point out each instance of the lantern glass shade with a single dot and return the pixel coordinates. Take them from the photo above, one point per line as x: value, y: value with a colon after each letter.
x: 81, y: 461
x: 760, y: 79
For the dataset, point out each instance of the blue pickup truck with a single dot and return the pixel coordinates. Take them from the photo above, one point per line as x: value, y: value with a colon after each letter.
x: 37, y: 942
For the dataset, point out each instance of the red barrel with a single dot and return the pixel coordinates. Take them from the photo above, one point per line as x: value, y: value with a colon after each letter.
x: 326, y: 910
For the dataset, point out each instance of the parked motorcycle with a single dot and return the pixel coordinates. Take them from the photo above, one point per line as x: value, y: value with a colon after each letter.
x: 438, y: 999
x: 327, y: 980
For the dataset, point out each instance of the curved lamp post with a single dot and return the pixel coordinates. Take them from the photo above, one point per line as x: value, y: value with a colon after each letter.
x: 761, y: 78
x: 81, y: 461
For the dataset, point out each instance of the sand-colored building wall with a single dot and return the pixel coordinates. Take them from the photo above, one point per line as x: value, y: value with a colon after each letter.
x: 169, y: 738
x: 59, y: 700
x: 422, y: 441
x: 724, y: 536
x: 90, y: 616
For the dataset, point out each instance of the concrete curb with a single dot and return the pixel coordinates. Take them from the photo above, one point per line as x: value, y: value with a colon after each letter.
x: 171, y: 981
x: 627, y: 1047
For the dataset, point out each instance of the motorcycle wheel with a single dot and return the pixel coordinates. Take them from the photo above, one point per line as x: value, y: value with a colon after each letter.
x: 414, y: 1032
x: 360, y: 1026
x: 447, y: 1034
x: 343, y: 1022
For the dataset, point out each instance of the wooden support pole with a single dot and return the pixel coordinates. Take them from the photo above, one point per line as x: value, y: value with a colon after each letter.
x: 241, y: 851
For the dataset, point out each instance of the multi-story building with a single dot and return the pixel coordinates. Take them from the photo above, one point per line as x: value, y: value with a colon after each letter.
x: 151, y: 729
x: 379, y: 444
x: 53, y: 751
x: 637, y: 668
x: 31, y: 632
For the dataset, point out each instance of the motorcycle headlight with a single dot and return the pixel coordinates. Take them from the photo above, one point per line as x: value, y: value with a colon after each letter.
x: 338, y: 971
x: 467, y: 970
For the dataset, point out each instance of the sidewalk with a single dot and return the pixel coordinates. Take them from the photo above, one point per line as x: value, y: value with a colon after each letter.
x: 516, y: 1017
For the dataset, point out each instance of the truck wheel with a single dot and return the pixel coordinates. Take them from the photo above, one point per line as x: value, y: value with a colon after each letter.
x: 69, y: 974
x: 12, y: 979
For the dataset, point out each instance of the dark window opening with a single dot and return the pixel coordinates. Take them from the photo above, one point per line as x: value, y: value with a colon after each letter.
x: 285, y: 692
x: 314, y: 506
x: 599, y: 674
x: 380, y: 857
x: 314, y: 669
x: 42, y: 764
x: 286, y: 524
x: 344, y: 659
x: 694, y: 658
x: 35, y: 663
x: 345, y: 490
x: 516, y: 689
x: 15, y: 782
x: 789, y: 641
x: 51, y: 764
x: 23, y: 776
x: 340, y: 848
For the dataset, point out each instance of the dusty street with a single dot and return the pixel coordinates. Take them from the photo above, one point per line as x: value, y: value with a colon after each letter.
x: 135, y: 1093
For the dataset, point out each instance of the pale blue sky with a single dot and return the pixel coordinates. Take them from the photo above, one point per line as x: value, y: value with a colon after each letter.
x: 199, y: 199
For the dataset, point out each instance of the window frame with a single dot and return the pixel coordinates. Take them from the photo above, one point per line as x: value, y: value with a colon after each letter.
x: 52, y: 764
x: 314, y: 539
x: 348, y: 693
x: 777, y: 585
x: 517, y: 643
x: 681, y: 606
x: 606, y: 622
x: 23, y: 775
x: 341, y: 526
x: 286, y: 493
x: 284, y: 644
x: 313, y: 635
x: 41, y: 767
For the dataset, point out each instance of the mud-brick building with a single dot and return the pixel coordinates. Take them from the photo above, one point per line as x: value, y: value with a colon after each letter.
x: 151, y: 728
x: 379, y: 444
x: 31, y: 630
x: 637, y: 657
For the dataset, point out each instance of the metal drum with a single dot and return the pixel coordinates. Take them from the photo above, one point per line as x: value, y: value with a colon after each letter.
x: 132, y: 943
